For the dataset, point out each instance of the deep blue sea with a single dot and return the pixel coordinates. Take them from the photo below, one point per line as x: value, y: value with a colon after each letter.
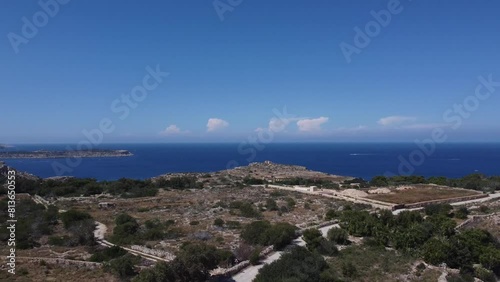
x: 353, y: 159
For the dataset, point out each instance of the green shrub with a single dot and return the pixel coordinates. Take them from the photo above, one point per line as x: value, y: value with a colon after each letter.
x: 299, y: 265
x: 231, y: 224
x: 264, y: 233
x: 255, y: 256
x: 71, y: 216
x: 123, y: 266
x: 58, y: 240
x: 108, y: 254
x: 338, y: 236
x: 219, y: 222
x: 462, y: 213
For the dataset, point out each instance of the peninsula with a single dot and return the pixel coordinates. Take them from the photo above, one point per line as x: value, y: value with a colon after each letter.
x: 43, y: 154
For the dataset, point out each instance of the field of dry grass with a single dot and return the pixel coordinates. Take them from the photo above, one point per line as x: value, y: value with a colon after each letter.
x: 422, y: 194
x: 35, y: 271
x: 202, y: 207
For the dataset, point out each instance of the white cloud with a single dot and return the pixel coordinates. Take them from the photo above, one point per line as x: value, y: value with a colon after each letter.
x: 260, y: 129
x: 280, y: 124
x: 172, y: 130
x: 395, y: 120
x: 311, y: 125
x: 215, y: 124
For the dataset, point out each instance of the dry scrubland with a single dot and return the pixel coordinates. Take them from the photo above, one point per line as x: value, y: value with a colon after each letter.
x: 194, y: 212
x: 421, y: 193
x: 36, y: 271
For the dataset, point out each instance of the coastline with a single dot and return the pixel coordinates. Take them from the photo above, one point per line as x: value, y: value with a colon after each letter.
x: 64, y: 154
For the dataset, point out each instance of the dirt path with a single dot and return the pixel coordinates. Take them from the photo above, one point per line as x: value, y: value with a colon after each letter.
x: 249, y: 273
x: 101, y: 230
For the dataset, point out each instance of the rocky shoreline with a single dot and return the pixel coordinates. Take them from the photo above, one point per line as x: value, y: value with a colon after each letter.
x: 42, y: 154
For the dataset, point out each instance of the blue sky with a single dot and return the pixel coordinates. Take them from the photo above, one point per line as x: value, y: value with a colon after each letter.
x: 231, y: 71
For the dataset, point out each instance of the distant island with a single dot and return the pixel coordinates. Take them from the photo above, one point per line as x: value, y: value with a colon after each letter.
x: 43, y: 154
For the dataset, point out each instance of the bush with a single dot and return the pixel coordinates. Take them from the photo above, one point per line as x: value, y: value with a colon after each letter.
x: 299, y: 265
x: 255, y: 256
x: 462, y: 213
x: 438, y: 209
x: 277, y: 194
x: 280, y: 235
x: 231, y: 224
x: 71, y: 216
x: 124, y: 218
x: 338, y: 236
x: 82, y: 233
x: 379, y: 181
x: 484, y: 274
x: 253, y: 181
x: 248, y: 210
x: 193, y: 263
x: 331, y: 214
x: 123, y: 266
x: 252, y: 233
x: 219, y: 222
x: 290, y: 203
x: 349, y: 269
x: 108, y: 254
x: 435, y: 251
x: 59, y: 240
x: 125, y: 230
x: 271, y: 205
x: 264, y: 233
x: 484, y: 209
x: 315, y: 242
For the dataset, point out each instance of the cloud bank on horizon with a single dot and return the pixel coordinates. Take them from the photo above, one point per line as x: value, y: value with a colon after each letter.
x: 315, y: 126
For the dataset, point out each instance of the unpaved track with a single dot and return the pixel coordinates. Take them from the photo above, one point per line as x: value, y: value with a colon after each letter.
x: 249, y: 273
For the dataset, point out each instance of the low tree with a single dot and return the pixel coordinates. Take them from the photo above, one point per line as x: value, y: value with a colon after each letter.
x: 71, y: 216
x: 299, y: 265
x: 271, y: 205
x: 219, y: 222
x: 315, y: 242
x: 435, y: 251
x: 255, y: 256
x: 252, y: 232
x: 379, y: 181
x: 123, y: 266
x: 438, y: 209
x: 331, y: 214
x: 462, y: 213
x: 338, y: 236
